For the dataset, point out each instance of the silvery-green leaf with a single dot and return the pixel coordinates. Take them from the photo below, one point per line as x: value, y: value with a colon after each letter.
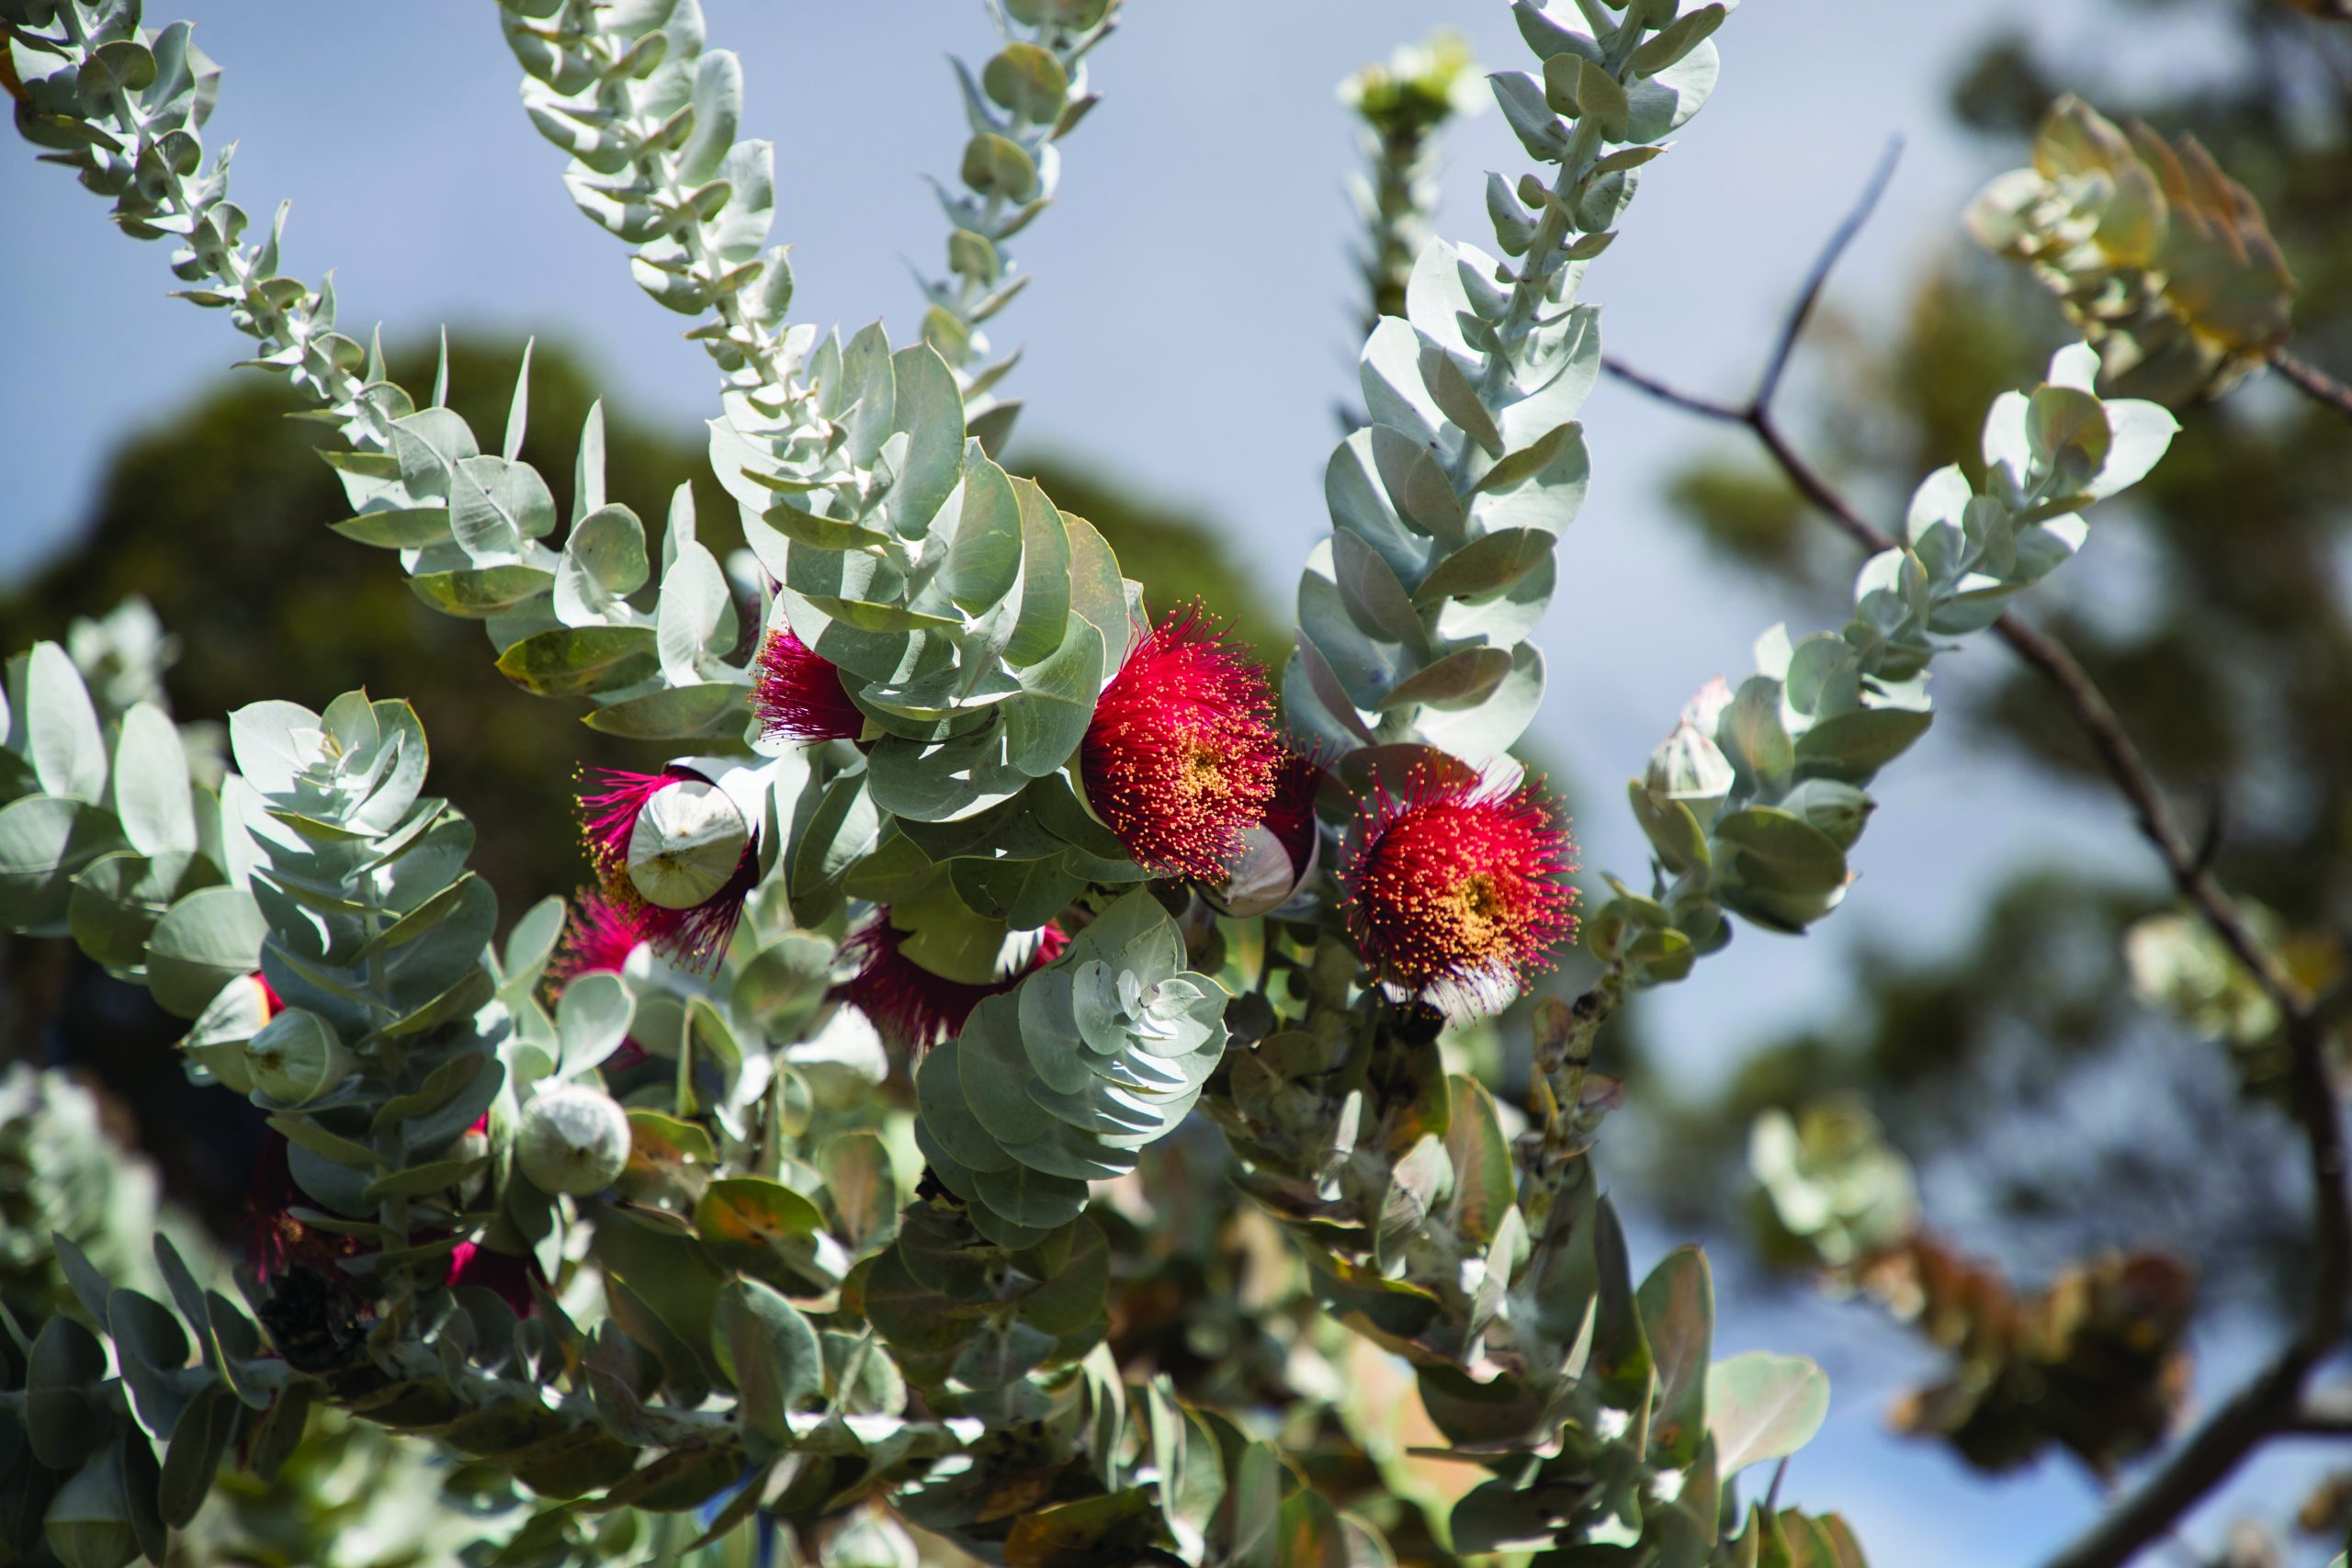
x: 208, y: 938
x: 1661, y: 104
x: 60, y: 727
x: 1045, y: 579
x: 1482, y: 731
x: 1373, y: 597
x: 153, y: 795
x: 604, y: 560
x: 1390, y: 374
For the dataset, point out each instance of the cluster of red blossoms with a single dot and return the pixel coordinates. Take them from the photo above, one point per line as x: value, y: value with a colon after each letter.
x: 694, y: 936
x: 1457, y: 890
x: 1454, y: 891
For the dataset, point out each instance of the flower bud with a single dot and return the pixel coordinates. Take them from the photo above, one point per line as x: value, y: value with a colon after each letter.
x: 88, y: 1522
x: 573, y: 1140
x: 296, y: 1057
x: 1689, y: 766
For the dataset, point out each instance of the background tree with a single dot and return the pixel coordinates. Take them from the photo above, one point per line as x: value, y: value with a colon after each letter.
x: 2088, y: 1074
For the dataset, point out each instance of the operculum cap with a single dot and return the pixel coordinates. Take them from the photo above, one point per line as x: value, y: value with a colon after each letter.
x: 573, y: 1140
x: 687, y: 841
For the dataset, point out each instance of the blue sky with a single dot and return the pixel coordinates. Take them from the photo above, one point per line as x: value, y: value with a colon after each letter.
x: 1189, y: 330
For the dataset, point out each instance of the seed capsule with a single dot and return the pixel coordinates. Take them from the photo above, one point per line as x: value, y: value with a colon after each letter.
x: 573, y: 1140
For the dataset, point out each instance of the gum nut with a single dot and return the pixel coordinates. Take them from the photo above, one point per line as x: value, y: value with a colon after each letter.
x: 573, y: 1140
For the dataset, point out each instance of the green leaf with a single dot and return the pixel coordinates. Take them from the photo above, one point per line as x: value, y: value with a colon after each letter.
x: 573, y: 660
x: 1459, y: 680
x: 1761, y: 1406
x: 604, y: 562
x: 60, y: 727
x: 1677, y: 38
x: 118, y: 899
x: 153, y: 795
x: 479, y: 592
x: 984, y: 562
x: 1043, y: 726
x: 200, y: 1441
x: 1488, y: 564
x: 1045, y: 579
x: 1027, y: 80
x: 772, y: 1355
x: 1598, y: 97
x: 871, y: 617
x: 1854, y: 746
x: 996, y: 166
x: 1416, y: 484
x: 929, y: 409
x: 44, y: 839
x: 398, y: 528
x: 1752, y: 736
x: 673, y: 713
x: 1375, y: 600
x: 1678, y: 1306
x: 208, y: 938
x: 1782, y: 851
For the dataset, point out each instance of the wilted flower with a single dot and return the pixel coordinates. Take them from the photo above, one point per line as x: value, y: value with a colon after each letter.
x: 909, y: 1006
x: 661, y: 844
x: 1458, y: 890
x: 1290, y: 813
x: 798, y: 694
x: 1181, y: 755
x: 1277, y: 854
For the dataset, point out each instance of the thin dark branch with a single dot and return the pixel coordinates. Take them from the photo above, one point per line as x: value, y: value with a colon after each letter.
x: 2312, y: 381
x: 1793, y: 328
x: 2325, y: 1413
x: 2272, y: 1401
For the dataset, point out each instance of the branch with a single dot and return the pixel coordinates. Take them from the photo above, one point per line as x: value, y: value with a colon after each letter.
x: 2271, y: 1402
x: 2312, y: 381
x: 2326, y: 1413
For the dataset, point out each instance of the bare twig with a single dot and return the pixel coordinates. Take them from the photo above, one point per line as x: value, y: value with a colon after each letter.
x: 2325, y: 1413
x: 2272, y: 1401
x: 2310, y: 380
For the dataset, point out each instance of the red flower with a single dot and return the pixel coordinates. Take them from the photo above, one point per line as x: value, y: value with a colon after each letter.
x: 509, y: 1274
x: 909, y: 1006
x: 600, y: 935
x: 1457, y: 891
x: 798, y: 694
x: 602, y: 932
x: 277, y: 1241
x: 695, y: 936
x: 272, y: 1004
x: 608, y: 815
x: 1181, y: 755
